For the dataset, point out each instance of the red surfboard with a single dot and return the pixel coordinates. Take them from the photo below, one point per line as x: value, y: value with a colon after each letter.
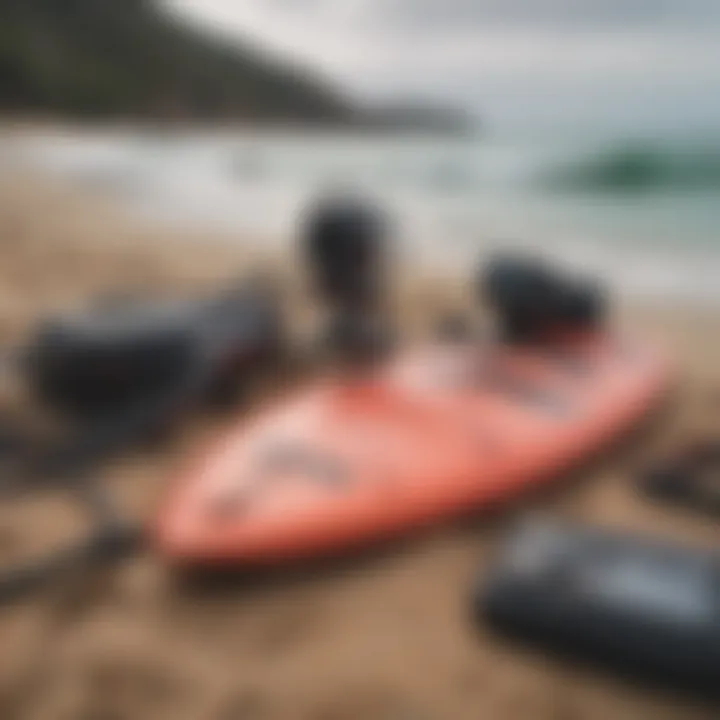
x: 349, y: 461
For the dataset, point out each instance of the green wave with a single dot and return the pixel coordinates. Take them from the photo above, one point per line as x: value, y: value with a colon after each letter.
x: 641, y: 167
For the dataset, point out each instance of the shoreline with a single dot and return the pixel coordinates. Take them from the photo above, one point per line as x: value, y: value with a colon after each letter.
x: 22, y: 125
x: 235, y: 190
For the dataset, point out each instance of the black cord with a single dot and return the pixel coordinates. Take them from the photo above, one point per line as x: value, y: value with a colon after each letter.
x: 69, y: 464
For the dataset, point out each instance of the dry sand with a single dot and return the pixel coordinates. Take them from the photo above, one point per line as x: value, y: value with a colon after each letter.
x: 383, y: 638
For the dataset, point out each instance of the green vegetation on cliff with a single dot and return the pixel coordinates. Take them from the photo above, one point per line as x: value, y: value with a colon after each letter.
x: 125, y: 58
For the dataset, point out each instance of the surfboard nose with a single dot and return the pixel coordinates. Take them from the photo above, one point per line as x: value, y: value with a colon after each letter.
x: 200, y: 532
x: 251, y: 520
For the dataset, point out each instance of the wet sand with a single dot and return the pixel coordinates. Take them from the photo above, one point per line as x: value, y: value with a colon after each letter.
x: 382, y: 637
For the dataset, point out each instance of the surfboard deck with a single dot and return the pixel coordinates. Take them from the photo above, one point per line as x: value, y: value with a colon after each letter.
x: 349, y: 461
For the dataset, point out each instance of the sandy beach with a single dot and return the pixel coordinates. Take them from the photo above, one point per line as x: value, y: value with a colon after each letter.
x: 386, y: 637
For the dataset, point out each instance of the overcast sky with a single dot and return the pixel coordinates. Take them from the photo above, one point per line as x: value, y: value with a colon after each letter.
x: 515, y: 61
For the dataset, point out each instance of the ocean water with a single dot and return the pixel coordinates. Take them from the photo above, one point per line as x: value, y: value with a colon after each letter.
x: 644, y: 213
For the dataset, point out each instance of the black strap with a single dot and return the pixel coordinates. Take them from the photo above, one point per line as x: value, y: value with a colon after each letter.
x: 686, y: 479
x: 69, y: 463
x: 111, y: 541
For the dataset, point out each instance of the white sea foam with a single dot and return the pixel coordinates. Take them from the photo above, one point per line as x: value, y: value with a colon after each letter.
x: 454, y: 200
